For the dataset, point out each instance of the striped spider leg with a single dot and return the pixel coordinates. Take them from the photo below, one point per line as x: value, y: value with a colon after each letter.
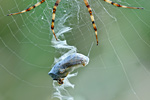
x: 92, y: 18
x: 37, y: 4
x: 108, y: 1
x: 53, y: 15
x: 28, y: 9
x: 87, y: 5
x: 118, y: 5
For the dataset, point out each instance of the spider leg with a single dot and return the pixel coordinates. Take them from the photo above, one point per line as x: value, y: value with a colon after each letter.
x: 28, y: 9
x: 92, y: 18
x: 118, y: 5
x: 53, y: 17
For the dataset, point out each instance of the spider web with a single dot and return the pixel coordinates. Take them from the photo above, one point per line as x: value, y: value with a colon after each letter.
x: 118, y: 68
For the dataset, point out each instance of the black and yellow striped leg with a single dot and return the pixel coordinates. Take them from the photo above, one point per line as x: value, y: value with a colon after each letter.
x: 53, y: 17
x: 92, y: 18
x: 28, y: 9
x: 118, y: 5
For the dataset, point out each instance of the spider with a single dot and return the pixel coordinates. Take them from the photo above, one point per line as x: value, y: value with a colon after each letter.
x: 87, y: 5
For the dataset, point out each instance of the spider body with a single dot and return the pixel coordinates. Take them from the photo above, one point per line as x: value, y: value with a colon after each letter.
x: 62, y: 68
x: 87, y: 5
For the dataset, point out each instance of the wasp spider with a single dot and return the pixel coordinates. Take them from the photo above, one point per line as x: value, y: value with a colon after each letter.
x: 87, y: 5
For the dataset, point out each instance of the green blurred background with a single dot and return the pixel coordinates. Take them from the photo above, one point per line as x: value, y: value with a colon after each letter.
x: 119, y: 67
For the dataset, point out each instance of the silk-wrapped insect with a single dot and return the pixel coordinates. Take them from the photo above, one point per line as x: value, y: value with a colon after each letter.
x: 62, y: 68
